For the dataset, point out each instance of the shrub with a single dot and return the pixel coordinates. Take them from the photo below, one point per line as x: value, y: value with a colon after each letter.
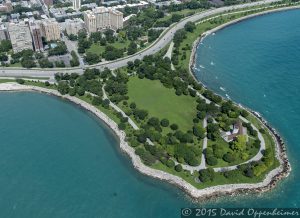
x: 229, y: 157
x: 20, y: 81
x: 206, y: 175
x: 170, y: 163
x: 164, y: 122
x: 178, y: 168
x: 212, y: 161
x: 174, y: 126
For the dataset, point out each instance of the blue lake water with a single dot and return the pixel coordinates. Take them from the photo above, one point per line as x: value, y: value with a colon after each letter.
x: 57, y: 160
x: 257, y: 63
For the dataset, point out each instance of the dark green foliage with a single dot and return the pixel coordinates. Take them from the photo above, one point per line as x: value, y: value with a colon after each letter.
x: 211, y: 160
x: 20, y: 81
x: 91, y: 58
x: 207, y: 175
x: 164, y: 122
x: 45, y: 63
x: 97, y: 100
x: 72, y: 91
x: 178, y: 168
x: 132, y: 48
x: 63, y: 87
x: 229, y: 157
x: 190, y: 26
x: 174, y: 126
x: 60, y: 49
x: 170, y: 163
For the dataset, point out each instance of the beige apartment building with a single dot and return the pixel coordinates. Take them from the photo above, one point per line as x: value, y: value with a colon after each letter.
x: 50, y: 29
x: 103, y: 18
x: 20, y: 36
x: 74, y: 26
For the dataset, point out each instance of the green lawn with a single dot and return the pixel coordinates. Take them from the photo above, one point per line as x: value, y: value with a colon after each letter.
x: 96, y: 48
x: 6, y: 80
x: 18, y: 64
x: 162, y: 102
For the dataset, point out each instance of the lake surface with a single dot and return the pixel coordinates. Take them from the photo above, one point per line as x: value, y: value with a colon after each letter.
x: 57, y: 160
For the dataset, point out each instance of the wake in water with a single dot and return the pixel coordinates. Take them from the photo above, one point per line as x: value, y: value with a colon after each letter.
x: 202, y: 67
x: 212, y: 63
x: 223, y: 89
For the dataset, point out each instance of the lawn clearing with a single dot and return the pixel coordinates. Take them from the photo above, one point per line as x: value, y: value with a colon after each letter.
x: 162, y: 102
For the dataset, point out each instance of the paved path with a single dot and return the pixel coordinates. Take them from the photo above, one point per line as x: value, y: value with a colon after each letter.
x: 204, y: 146
x: 257, y: 157
x: 169, y: 54
x: 115, y: 107
x: 152, y: 49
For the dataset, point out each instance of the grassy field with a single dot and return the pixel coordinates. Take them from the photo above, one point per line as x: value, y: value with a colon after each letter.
x: 18, y: 64
x: 96, y: 48
x: 162, y: 102
x: 6, y: 80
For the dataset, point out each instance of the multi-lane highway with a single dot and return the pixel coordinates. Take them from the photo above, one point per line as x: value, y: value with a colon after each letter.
x: 152, y: 49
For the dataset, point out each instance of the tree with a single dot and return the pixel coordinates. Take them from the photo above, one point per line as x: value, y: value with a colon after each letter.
x: 174, y: 126
x: 75, y: 60
x: 80, y: 90
x: 179, y: 36
x: 190, y: 26
x: 170, y: 163
x: 199, y: 131
x: 132, y: 48
x: 5, y: 46
x: 122, y: 126
x: 20, y: 81
x: 45, y: 63
x: 63, y: 87
x: 96, y: 100
x: 178, y: 168
x: 91, y: 58
x: 60, y: 49
x: 240, y: 143
x: 72, y: 91
x: 244, y: 113
x: 229, y: 157
x: 207, y: 175
x: 212, y: 161
x: 3, y: 57
x: 28, y: 62
x: 164, y: 122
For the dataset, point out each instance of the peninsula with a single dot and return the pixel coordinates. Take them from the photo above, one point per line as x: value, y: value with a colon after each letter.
x: 171, y: 126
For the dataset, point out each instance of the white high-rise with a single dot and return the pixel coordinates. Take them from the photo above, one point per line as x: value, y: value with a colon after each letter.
x: 103, y: 18
x: 76, y: 4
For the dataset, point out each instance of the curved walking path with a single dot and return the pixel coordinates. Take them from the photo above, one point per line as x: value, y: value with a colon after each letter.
x: 116, y: 108
x: 202, y: 165
x: 156, y: 46
x: 169, y: 54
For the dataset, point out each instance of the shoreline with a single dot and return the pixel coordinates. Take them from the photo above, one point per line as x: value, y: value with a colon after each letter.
x: 284, y: 168
x: 197, y: 194
x: 225, y: 25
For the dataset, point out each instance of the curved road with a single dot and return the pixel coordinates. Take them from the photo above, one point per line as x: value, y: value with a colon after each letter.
x: 152, y: 49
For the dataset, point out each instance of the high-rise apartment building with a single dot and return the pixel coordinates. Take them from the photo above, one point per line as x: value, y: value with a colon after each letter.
x: 36, y: 35
x: 48, y: 2
x: 103, y: 18
x: 74, y: 26
x: 50, y: 29
x: 3, y: 32
x: 20, y: 36
x: 76, y: 4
